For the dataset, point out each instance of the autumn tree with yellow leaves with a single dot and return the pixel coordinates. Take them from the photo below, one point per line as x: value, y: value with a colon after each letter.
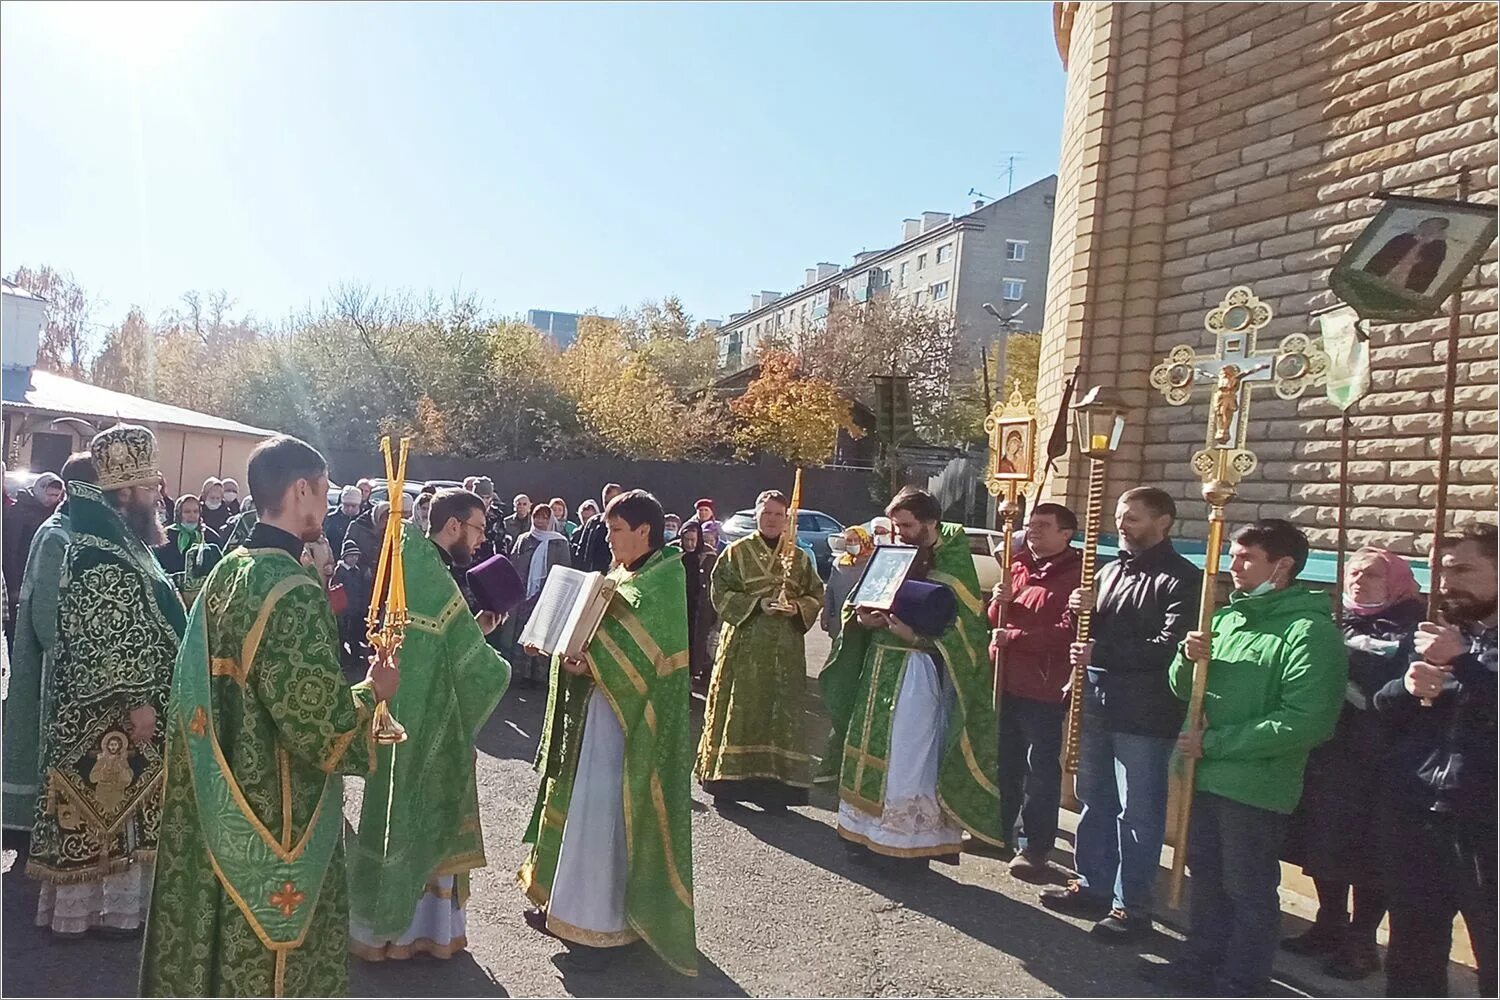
x: 791, y: 414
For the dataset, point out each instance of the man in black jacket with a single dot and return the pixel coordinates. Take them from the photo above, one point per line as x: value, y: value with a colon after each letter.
x: 1147, y: 601
x: 591, y: 542
x: 1440, y: 757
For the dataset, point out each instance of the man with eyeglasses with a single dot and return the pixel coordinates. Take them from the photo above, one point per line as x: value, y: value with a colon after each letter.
x: 419, y: 834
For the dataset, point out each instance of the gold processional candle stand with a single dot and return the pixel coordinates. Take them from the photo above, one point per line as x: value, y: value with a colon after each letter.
x: 387, y: 619
x: 787, y: 550
x: 1015, y: 416
x: 1233, y: 369
x: 1099, y: 423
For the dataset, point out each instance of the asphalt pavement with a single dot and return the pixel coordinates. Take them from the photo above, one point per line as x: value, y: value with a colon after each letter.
x: 781, y: 911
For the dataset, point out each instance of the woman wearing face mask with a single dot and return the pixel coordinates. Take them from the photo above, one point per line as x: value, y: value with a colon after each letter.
x: 185, y: 555
x: 232, y: 496
x: 855, y: 545
x: 215, y: 513
x: 1330, y: 831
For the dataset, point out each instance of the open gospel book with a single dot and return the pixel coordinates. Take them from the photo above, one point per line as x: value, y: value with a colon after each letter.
x: 568, y: 610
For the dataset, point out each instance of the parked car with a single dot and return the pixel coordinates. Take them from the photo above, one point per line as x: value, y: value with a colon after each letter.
x: 983, y: 545
x: 443, y: 484
x: 813, y: 529
x: 382, y: 493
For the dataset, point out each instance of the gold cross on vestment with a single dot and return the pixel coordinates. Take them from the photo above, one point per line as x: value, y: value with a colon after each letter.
x: 199, y: 725
x: 1233, y: 370
x: 287, y: 899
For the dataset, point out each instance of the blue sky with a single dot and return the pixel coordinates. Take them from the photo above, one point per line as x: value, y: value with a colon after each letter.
x: 550, y: 156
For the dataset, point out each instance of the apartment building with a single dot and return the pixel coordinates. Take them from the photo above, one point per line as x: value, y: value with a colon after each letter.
x: 560, y: 326
x: 997, y: 253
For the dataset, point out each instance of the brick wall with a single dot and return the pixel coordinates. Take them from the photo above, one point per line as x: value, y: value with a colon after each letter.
x: 1242, y: 144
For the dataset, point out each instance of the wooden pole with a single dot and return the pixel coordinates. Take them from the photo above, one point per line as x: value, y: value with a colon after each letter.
x: 1218, y: 494
x: 1007, y: 512
x: 1343, y: 538
x: 1445, y: 436
x: 1073, y: 739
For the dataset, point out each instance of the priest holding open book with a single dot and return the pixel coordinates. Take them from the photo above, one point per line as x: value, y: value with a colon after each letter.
x: 611, y: 858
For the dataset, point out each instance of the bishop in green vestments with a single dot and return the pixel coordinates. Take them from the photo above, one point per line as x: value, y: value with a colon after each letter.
x: 251, y: 897
x: 119, y: 622
x: 752, y: 744
x: 913, y: 745
x: 611, y: 835
x: 419, y: 831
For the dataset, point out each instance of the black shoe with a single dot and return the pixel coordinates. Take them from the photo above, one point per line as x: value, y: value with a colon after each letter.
x: 1121, y: 927
x: 1177, y: 979
x: 585, y: 958
x: 1030, y: 866
x: 536, y: 919
x: 946, y: 859
x: 1075, y: 901
x: 1319, y: 939
x: 1352, y: 962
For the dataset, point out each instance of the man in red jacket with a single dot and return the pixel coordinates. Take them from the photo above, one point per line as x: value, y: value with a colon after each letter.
x: 1036, y: 671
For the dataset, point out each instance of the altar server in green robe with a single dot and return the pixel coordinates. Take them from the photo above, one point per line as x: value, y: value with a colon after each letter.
x: 35, y: 651
x: 251, y: 897
x: 752, y: 744
x: 419, y: 831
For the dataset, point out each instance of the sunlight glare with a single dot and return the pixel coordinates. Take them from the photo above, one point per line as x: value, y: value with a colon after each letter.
x: 140, y: 35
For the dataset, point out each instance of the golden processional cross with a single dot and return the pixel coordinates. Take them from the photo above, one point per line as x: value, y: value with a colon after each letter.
x: 1234, y: 369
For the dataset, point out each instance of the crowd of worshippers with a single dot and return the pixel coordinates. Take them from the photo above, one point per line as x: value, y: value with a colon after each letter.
x: 1357, y: 741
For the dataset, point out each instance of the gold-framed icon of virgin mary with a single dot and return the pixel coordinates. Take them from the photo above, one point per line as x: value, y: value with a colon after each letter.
x: 1012, y: 430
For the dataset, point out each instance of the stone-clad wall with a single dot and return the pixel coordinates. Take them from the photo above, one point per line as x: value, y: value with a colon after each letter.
x: 1213, y: 145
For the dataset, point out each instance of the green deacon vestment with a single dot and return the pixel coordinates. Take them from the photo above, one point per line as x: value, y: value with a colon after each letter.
x: 860, y: 683
x: 119, y: 622
x: 31, y: 662
x: 251, y: 897
x: 752, y: 725
x: 639, y: 658
x: 451, y: 681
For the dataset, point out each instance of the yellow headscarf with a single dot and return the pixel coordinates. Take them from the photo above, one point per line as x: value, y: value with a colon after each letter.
x: 866, y: 545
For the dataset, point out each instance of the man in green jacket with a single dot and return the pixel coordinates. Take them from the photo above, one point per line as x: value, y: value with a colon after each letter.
x: 1276, y: 681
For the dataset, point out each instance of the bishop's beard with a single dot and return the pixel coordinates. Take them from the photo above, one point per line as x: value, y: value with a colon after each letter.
x: 144, y: 525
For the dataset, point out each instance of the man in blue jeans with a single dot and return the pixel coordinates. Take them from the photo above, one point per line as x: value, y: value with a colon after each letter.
x: 1276, y: 679
x: 1147, y: 600
x: 1034, y: 677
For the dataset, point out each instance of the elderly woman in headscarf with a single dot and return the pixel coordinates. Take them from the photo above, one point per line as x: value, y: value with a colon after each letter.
x: 855, y: 546
x: 534, y: 555
x: 1330, y: 835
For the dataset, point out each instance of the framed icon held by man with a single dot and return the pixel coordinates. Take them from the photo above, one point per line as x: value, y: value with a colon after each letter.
x: 883, y: 576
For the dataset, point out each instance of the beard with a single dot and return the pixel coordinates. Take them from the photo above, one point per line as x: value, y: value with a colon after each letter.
x: 461, y: 554
x: 142, y: 522
x: 1461, y: 606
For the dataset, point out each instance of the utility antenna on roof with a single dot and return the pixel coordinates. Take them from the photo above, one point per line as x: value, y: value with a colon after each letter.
x: 1011, y: 156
